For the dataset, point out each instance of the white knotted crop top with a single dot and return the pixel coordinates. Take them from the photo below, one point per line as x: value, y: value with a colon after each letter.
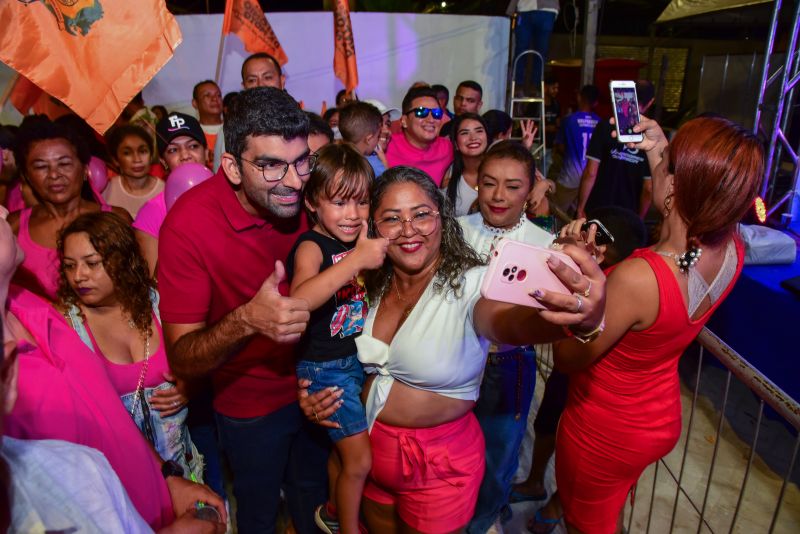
x: 435, y: 349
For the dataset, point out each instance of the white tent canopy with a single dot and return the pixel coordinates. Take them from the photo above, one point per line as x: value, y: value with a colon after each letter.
x: 681, y: 9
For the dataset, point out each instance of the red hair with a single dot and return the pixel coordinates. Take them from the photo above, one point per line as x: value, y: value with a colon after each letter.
x: 718, y: 167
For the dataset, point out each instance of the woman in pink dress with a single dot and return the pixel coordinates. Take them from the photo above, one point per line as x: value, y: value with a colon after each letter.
x: 624, y: 410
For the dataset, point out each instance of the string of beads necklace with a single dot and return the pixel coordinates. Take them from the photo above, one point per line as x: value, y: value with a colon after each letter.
x: 502, y: 231
x: 684, y: 261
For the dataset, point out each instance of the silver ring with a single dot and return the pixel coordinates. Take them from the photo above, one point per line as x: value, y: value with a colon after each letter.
x: 580, y: 303
x: 175, y: 403
x: 587, y: 291
x: 315, y: 415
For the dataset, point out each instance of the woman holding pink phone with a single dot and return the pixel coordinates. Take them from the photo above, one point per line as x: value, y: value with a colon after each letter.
x: 425, y: 343
x: 623, y: 410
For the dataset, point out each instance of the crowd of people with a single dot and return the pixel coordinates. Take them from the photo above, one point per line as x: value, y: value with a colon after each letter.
x: 287, y: 306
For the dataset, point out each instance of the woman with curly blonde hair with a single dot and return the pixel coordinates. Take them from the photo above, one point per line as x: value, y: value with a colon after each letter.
x: 109, y: 298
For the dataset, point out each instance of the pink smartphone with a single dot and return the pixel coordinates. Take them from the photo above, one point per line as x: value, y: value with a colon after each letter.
x: 516, y: 269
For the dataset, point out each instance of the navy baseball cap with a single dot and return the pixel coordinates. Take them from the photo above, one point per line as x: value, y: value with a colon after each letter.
x: 175, y: 125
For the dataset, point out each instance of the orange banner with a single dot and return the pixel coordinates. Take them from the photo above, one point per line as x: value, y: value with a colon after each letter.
x: 92, y: 55
x: 246, y: 19
x: 344, y: 55
x: 25, y: 94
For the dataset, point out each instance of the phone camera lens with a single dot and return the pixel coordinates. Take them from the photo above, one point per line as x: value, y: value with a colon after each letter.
x: 513, y: 269
x: 506, y: 271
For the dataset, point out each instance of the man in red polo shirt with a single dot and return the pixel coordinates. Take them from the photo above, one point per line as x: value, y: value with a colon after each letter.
x: 222, y: 283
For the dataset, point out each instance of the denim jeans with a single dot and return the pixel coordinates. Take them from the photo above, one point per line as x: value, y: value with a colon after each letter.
x: 348, y: 374
x: 532, y: 33
x: 502, y: 410
x: 280, y: 450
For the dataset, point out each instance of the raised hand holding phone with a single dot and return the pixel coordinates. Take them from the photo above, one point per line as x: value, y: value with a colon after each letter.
x: 591, y: 235
x: 626, y: 110
x: 601, y: 234
x: 654, y: 142
x: 518, y: 269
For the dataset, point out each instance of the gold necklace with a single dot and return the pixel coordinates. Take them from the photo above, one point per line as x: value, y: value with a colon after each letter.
x: 139, y: 393
x: 410, y: 304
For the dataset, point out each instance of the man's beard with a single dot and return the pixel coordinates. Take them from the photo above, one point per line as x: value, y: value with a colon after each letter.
x: 266, y: 200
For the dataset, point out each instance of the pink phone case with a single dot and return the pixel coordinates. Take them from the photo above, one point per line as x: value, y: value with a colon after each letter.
x: 516, y: 269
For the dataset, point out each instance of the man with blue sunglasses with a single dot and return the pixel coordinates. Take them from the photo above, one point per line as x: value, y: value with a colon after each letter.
x: 420, y: 145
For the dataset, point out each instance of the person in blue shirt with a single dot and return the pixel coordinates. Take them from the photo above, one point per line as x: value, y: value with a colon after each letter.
x: 360, y: 125
x: 571, y: 142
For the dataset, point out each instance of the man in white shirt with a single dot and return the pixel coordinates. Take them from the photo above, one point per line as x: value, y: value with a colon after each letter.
x: 207, y: 100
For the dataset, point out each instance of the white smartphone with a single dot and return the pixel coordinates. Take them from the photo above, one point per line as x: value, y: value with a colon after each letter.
x: 517, y: 269
x: 626, y: 110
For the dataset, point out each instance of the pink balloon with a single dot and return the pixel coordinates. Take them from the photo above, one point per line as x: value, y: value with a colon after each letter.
x: 182, y: 179
x: 98, y: 174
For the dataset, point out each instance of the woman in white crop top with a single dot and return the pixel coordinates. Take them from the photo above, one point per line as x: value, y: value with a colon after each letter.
x: 424, y: 346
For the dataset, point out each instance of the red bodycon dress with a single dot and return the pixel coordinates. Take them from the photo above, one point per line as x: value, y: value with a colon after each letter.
x: 624, y: 412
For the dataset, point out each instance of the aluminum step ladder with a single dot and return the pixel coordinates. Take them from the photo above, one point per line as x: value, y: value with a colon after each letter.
x: 538, y: 105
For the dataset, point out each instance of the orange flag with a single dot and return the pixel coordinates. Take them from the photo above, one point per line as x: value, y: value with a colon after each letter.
x: 344, y: 55
x: 25, y: 94
x: 246, y: 19
x: 93, y: 55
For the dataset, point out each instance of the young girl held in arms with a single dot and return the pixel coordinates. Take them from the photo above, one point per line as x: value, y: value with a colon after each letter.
x: 323, y: 267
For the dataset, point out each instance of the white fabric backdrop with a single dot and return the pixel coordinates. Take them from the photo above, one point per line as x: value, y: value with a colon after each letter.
x: 393, y: 51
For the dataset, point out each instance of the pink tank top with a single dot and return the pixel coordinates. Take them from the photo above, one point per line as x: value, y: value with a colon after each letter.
x: 125, y: 376
x: 39, y: 269
x: 64, y: 393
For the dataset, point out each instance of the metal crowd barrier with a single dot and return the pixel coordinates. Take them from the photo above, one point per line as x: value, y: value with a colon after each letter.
x: 687, y: 492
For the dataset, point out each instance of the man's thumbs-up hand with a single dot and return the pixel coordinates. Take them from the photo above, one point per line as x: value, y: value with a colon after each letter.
x: 282, y: 319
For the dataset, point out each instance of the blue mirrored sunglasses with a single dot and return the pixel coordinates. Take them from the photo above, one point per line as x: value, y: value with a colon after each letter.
x: 422, y: 112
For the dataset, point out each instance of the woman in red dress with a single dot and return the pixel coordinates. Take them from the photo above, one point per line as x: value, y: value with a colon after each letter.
x: 624, y: 409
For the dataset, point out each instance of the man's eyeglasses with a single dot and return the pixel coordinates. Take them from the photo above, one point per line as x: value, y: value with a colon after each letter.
x: 422, y: 222
x: 422, y: 112
x: 274, y: 170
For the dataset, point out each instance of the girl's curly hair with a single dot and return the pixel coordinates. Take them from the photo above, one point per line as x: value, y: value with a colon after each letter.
x: 457, y: 256
x: 115, y: 241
